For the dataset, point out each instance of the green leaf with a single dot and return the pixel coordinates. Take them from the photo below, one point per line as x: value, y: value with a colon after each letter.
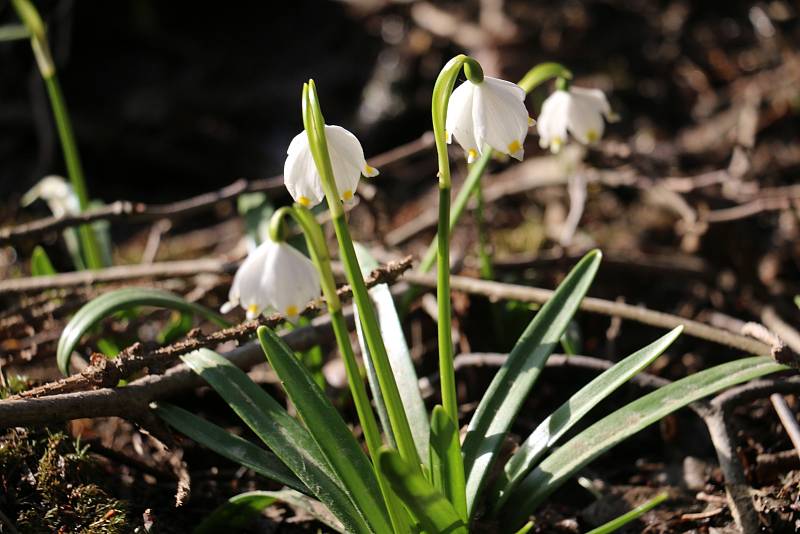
x: 623, y: 423
x: 241, y: 510
x: 572, y: 411
x: 624, y: 519
x: 121, y: 299
x: 433, y: 511
x: 228, y: 445
x: 279, y: 431
x: 447, y: 470
x: 400, y: 359
x: 40, y: 263
x: 236, y: 513
x: 329, y: 430
x: 514, y: 380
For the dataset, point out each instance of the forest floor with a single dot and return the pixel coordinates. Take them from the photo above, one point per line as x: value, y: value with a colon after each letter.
x: 692, y: 197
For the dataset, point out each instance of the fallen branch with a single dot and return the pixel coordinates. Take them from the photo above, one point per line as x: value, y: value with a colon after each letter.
x: 166, y: 269
x: 104, y: 372
x: 497, y: 290
x: 139, y: 212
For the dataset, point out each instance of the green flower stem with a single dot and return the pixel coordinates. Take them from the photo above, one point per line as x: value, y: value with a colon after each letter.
x: 315, y: 241
x: 619, y: 522
x: 439, y: 101
x: 41, y: 49
x: 314, y: 125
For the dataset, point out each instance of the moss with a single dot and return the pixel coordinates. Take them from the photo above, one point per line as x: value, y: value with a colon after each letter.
x: 46, y: 486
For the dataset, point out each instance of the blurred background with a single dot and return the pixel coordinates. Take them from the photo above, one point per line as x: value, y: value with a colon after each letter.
x: 692, y: 196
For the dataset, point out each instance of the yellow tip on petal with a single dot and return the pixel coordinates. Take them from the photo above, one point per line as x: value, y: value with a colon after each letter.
x: 252, y: 309
x: 472, y: 155
x: 370, y: 171
x: 514, y: 146
x: 531, y: 122
x: 347, y: 195
x: 592, y: 136
x: 304, y: 201
x: 291, y: 311
x: 555, y: 144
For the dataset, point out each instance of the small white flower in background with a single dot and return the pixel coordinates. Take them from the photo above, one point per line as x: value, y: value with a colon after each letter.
x: 488, y: 113
x: 276, y: 277
x: 58, y: 194
x: 347, y: 158
x: 579, y: 111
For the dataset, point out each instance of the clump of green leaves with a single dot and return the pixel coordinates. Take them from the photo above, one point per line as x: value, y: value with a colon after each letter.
x: 46, y: 480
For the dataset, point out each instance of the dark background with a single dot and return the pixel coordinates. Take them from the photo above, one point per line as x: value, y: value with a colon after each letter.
x: 175, y: 98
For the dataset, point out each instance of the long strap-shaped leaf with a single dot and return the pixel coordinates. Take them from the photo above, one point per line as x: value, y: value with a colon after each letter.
x: 121, y: 299
x: 329, y: 430
x: 447, y: 472
x: 623, y: 423
x: 280, y: 432
x: 514, y: 380
x: 240, y: 510
x: 229, y: 445
x: 433, y: 511
x: 400, y: 359
x: 569, y: 413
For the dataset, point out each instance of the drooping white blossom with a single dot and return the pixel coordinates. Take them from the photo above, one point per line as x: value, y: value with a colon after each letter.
x: 57, y: 192
x: 577, y: 111
x: 274, y: 276
x: 488, y: 113
x: 347, y: 159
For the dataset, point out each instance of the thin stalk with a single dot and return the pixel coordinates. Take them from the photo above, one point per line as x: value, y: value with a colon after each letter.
x: 318, y: 250
x: 315, y: 129
x: 44, y: 59
x: 91, y: 249
x: 446, y: 371
x: 619, y: 522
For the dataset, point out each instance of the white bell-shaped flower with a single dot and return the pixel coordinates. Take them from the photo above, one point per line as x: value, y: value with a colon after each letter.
x: 577, y: 111
x: 347, y: 158
x: 275, y: 276
x: 57, y: 192
x: 488, y: 113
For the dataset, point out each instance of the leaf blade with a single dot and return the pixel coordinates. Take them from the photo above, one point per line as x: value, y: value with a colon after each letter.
x: 121, y: 299
x: 279, y: 431
x: 328, y: 430
x: 228, y: 445
x: 447, y: 469
x: 399, y: 358
x: 569, y: 413
x: 429, y: 507
x: 621, y: 424
x: 516, y: 377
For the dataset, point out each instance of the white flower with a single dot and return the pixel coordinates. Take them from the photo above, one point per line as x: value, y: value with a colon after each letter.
x: 347, y: 158
x: 274, y: 276
x: 579, y: 111
x: 58, y: 194
x: 488, y: 113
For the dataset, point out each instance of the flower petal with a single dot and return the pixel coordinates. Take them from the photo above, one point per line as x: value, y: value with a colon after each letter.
x: 552, y: 122
x: 501, y: 119
x: 347, y: 159
x: 585, y: 115
x: 459, y: 122
x: 290, y: 280
x: 300, y: 173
